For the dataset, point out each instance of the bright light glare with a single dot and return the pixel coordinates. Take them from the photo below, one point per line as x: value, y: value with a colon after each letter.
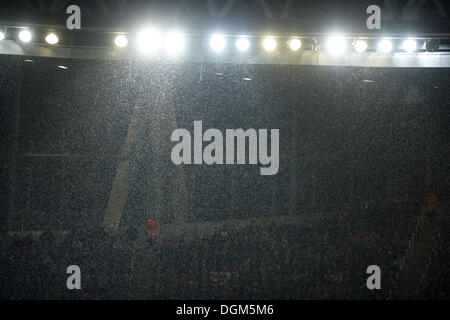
x: 242, y: 44
x: 52, y: 38
x: 217, y: 42
x: 149, y: 41
x: 385, y: 45
x: 269, y: 44
x: 174, y: 43
x: 295, y: 44
x: 360, y: 46
x: 336, y: 45
x: 25, y: 36
x: 409, y: 45
x: 2, y: 36
x: 121, y: 41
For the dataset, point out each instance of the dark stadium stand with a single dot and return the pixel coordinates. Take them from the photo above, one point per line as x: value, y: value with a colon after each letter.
x: 321, y: 261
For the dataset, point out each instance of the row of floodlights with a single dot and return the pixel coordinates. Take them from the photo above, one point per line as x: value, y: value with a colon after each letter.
x: 26, y: 36
x: 150, y: 41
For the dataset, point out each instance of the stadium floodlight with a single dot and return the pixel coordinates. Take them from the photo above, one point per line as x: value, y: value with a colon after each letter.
x: 360, y: 46
x: 149, y: 41
x: 2, y: 35
x: 409, y: 45
x: 52, y: 38
x: 174, y: 43
x: 242, y: 44
x: 269, y: 44
x: 336, y: 45
x: 121, y: 41
x: 295, y: 44
x: 25, y: 36
x: 385, y: 45
x: 217, y: 42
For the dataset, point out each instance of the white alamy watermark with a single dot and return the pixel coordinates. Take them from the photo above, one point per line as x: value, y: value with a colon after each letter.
x: 374, y: 20
x: 74, y: 280
x: 374, y: 281
x: 73, y: 22
x: 213, y: 153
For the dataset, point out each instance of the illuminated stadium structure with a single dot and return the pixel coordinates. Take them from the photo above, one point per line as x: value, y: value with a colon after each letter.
x: 107, y: 33
x: 360, y: 49
x: 362, y: 115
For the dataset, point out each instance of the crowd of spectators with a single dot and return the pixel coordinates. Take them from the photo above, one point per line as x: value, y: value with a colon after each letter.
x: 327, y: 260
x: 34, y: 267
